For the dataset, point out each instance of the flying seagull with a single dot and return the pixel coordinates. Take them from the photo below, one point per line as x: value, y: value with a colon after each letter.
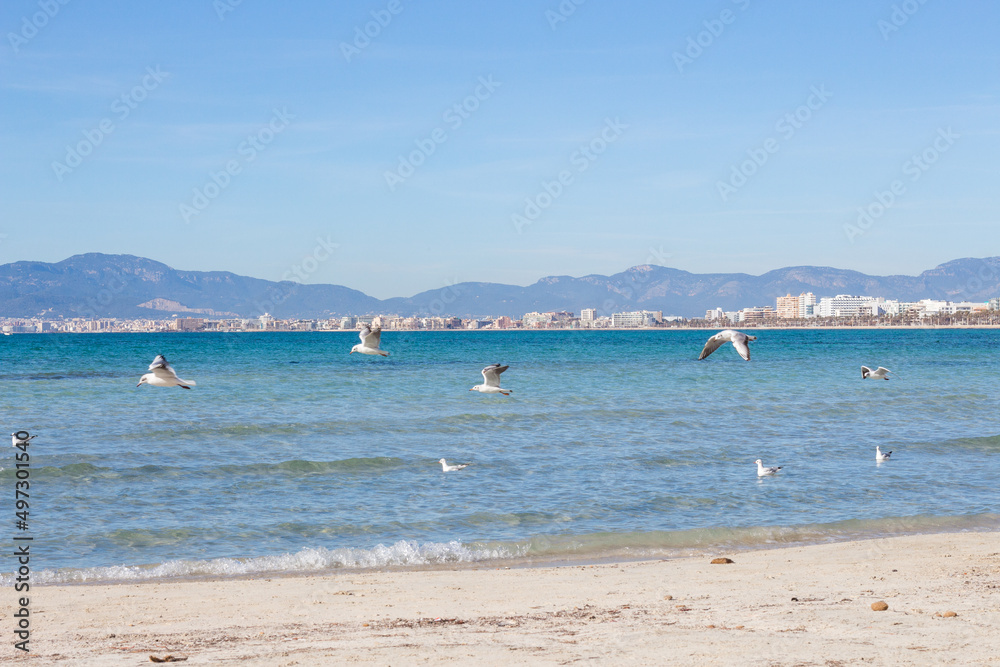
x: 739, y: 340
x: 370, y: 340
x: 162, y: 375
x: 491, y: 381
x: 880, y: 455
x: 877, y: 374
x: 452, y: 468
x: 763, y: 472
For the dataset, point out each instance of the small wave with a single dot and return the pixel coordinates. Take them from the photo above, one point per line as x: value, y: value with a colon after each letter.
x: 986, y: 442
x: 352, y: 465
x: 59, y: 375
x: 402, y: 553
x: 538, y: 549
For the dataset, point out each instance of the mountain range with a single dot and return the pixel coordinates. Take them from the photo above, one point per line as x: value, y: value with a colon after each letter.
x: 96, y: 285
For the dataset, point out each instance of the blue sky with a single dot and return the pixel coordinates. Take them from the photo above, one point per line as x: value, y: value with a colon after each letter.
x: 585, y: 141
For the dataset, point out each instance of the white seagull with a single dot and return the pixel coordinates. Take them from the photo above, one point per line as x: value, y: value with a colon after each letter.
x: 370, y: 340
x: 880, y: 456
x: 16, y: 439
x: 449, y: 468
x: 491, y: 381
x: 162, y: 375
x: 877, y: 374
x: 739, y: 340
x: 764, y: 472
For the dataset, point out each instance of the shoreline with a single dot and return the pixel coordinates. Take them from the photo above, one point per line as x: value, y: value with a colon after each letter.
x: 738, y: 326
x: 785, y: 605
x: 563, y: 551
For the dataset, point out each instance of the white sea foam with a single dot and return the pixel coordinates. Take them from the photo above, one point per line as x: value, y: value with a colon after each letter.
x: 402, y: 553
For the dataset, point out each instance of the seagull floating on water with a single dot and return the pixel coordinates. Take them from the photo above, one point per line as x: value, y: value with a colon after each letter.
x: 370, y: 341
x: 491, y: 381
x: 739, y: 340
x: 452, y: 468
x: 877, y: 374
x: 880, y: 456
x: 162, y: 375
x: 19, y: 437
x: 763, y: 472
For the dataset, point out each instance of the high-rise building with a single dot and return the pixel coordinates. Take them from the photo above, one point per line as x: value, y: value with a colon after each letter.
x: 588, y: 314
x: 788, y: 307
x: 807, y: 304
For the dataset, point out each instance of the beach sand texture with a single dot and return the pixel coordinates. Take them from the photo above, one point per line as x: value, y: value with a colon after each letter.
x: 809, y: 605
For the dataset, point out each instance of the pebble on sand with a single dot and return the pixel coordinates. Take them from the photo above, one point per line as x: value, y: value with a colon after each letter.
x: 947, y: 614
x: 879, y: 606
x: 722, y: 561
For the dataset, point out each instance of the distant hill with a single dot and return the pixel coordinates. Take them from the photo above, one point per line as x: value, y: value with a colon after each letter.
x: 124, y: 286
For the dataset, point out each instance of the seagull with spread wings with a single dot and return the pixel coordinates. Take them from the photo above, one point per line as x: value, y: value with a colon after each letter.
x: 740, y: 341
x: 162, y: 374
x: 877, y: 374
x: 491, y: 381
x: 370, y: 341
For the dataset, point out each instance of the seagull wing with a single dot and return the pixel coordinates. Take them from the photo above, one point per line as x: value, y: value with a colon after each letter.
x: 741, y: 345
x: 882, y: 370
x: 165, y: 373
x: 711, y: 346
x: 372, y: 337
x: 491, y: 374
x: 159, y: 362
x: 364, y: 333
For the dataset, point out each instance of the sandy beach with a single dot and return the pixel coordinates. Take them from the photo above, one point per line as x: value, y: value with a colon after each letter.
x: 809, y: 605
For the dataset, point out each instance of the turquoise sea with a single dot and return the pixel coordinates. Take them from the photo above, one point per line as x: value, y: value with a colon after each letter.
x: 292, y: 455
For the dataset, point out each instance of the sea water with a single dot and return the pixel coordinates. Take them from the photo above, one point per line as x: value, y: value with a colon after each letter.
x: 292, y: 455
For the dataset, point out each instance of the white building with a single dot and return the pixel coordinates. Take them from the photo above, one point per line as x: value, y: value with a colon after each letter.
x: 807, y: 304
x: 846, y: 305
x: 534, y: 319
x: 716, y: 314
x: 636, y: 318
x: 588, y: 315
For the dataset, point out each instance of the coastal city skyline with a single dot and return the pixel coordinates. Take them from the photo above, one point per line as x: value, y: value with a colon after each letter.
x: 789, y: 311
